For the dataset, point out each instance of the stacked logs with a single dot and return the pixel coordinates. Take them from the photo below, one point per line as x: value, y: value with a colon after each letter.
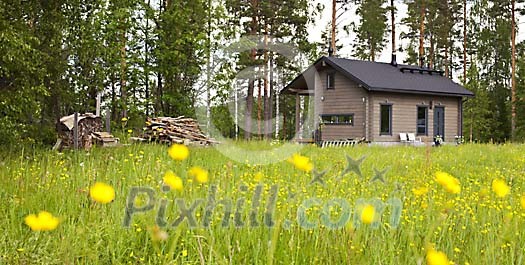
x: 179, y: 130
x: 87, y: 124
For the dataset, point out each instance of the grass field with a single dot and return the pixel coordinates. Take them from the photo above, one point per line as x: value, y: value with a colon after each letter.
x: 474, y: 226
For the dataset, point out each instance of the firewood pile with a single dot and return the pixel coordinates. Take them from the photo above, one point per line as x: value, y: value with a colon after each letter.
x: 89, y: 132
x: 179, y: 130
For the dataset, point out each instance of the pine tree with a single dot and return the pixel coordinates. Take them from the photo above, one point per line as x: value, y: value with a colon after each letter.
x: 372, y: 29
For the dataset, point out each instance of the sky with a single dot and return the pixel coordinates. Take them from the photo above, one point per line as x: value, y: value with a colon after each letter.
x: 347, y: 41
x: 350, y: 16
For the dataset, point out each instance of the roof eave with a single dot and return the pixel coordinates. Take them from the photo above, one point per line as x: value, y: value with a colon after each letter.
x: 418, y: 92
x: 345, y: 72
x: 286, y: 88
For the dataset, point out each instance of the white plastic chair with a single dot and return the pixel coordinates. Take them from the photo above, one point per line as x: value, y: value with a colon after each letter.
x: 403, y: 137
x: 412, y: 138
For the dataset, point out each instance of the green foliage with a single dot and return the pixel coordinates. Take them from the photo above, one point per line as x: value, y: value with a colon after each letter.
x: 520, y: 92
x: 477, y: 117
x: 223, y: 121
x: 371, y: 30
x: 160, y: 57
x: 180, y: 54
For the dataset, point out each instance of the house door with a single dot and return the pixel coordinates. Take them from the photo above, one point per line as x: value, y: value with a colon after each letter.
x: 439, y: 122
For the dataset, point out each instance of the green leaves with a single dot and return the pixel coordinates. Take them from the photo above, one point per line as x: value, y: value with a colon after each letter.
x: 371, y: 30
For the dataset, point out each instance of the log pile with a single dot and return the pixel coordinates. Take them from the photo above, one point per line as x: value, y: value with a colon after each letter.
x: 87, y: 124
x: 179, y: 130
x: 89, y: 132
x: 104, y: 139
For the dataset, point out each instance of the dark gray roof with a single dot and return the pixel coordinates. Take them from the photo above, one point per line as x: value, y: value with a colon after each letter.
x: 376, y: 76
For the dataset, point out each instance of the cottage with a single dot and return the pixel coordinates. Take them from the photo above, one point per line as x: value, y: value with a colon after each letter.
x: 378, y: 102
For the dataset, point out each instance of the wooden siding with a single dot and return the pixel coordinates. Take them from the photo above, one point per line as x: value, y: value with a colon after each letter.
x: 404, y: 115
x: 345, y: 98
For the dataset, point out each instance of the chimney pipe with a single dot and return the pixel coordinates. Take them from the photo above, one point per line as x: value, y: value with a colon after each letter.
x: 394, y: 61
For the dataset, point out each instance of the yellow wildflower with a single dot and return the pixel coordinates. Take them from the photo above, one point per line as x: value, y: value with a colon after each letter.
x: 199, y: 174
x: 420, y: 191
x: 301, y: 162
x: 367, y: 214
x: 522, y: 202
x: 178, y: 152
x: 437, y: 258
x: 124, y: 119
x: 450, y: 183
x: 130, y: 131
x: 500, y: 188
x: 44, y: 221
x: 172, y: 180
x: 184, y: 253
x: 258, y: 176
x: 102, y: 192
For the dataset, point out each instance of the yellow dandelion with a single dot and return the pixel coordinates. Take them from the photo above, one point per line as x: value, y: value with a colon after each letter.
x: 522, y: 202
x: 124, y: 119
x: 301, y: 162
x: 367, y: 214
x: 420, y: 191
x: 258, y: 176
x: 184, y: 253
x: 173, y: 181
x: 199, y: 174
x: 130, y: 131
x: 450, y: 183
x: 178, y: 152
x: 102, y: 192
x: 500, y: 188
x: 437, y: 258
x: 44, y: 221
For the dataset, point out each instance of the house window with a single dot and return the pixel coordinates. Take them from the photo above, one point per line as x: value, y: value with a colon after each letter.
x: 385, y: 121
x: 337, y: 119
x: 330, y: 81
x: 422, y: 120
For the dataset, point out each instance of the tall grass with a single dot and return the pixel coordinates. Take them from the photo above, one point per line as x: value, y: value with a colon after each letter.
x: 474, y: 227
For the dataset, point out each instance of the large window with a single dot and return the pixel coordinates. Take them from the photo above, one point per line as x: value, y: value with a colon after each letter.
x: 422, y: 120
x: 338, y: 119
x: 385, y: 122
x: 330, y: 80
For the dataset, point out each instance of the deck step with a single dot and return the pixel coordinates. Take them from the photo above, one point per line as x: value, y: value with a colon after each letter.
x: 339, y: 143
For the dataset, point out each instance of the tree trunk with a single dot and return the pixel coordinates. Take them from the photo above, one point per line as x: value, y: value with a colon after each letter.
x: 446, y: 62
x: 123, y: 89
x: 513, y: 74
x: 333, y: 27
x: 464, y: 42
x: 266, y: 94
x: 393, y: 19
x: 146, y: 66
x: 422, y: 33
x: 431, y: 52
x: 113, y: 98
x: 372, y: 53
x: 251, y: 82
x: 248, y: 112
x: 208, y: 72
x: 259, y: 106
x: 158, y: 103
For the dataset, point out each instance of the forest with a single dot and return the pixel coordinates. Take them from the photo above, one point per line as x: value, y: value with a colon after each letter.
x: 168, y: 58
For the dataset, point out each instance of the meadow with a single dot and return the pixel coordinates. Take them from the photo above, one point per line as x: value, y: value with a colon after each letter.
x: 477, y: 221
